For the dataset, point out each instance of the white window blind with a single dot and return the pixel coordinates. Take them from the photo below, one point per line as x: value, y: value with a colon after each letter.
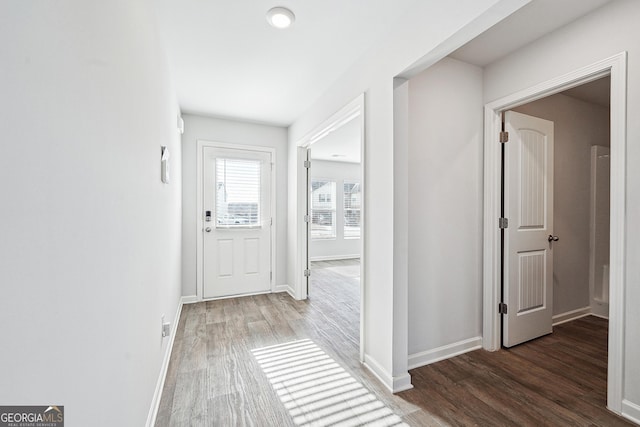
x: 238, y: 193
x: 352, y: 205
x: 323, y: 209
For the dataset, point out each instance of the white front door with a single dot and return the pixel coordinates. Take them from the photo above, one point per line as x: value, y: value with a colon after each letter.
x: 237, y: 222
x: 528, y: 252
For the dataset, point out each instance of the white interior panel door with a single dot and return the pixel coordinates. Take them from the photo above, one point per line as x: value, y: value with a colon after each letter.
x: 237, y: 222
x: 528, y: 264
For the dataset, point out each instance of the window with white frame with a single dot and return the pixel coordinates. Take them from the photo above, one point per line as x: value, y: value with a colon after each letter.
x: 237, y: 192
x: 352, y: 205
x: 323, y: 209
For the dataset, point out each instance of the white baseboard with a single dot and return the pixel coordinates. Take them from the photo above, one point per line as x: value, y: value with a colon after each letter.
x: 281, y: 288
x: 333, y: 257
x: 445, y: 352
x: 157, y: 395
x: 402, y: 383
x: 190, y: 299
x: 393, y: 384
x: 292, y: 292
x: 561, y: 318
x: 377, y: 370
x: 631, y: 411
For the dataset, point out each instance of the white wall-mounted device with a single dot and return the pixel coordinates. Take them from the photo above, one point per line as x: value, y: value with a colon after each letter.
x: 164, y: 164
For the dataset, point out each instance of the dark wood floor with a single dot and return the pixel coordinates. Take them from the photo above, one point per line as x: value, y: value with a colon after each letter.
x: 556, y: 380
x: 218, y: 376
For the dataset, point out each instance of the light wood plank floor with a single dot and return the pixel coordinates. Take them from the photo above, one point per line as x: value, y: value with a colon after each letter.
x: 218, y: 374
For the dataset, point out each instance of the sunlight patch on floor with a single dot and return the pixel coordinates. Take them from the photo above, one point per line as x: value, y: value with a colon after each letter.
x: 317, y: 391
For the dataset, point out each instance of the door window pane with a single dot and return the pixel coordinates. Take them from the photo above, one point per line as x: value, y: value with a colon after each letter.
x: 352, y: 202
x: 237, y: 192
x: 323, y: 209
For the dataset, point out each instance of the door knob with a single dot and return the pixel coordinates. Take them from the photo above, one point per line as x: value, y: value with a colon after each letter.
x: 553, y: 238
x: 208, y: 229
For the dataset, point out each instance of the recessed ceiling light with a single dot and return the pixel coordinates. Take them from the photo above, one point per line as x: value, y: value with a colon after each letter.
x: 280, y: 17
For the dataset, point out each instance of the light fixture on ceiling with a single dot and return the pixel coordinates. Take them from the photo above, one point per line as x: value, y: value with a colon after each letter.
x: 280, y: 17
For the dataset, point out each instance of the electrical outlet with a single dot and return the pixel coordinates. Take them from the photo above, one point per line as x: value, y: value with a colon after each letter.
x: 166, y: 327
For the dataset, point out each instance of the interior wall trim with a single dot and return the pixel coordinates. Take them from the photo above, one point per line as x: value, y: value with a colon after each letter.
x: 631, y: 411
x: 157, y: 394
x: 616, y: 67
x: 448, y: 351
x: 561, y: 318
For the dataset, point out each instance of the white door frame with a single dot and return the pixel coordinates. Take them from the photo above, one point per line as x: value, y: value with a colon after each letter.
x: 616, y: 67
x: 353, y: 110
x: 201, y: 144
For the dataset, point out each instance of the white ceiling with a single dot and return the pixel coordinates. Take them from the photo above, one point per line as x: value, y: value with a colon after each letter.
x: 341, y: 145
x: 227, y: 61
x: 523, y: 27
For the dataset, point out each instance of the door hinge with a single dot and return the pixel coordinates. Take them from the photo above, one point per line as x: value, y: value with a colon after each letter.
x: 504, y: 137
x: 503, y: 223
x: 271, y: 276
x: 502, y: 308
x: 307, y: 273
x: 271, y: 221
x: 307, y: 218
x: 307, y: 164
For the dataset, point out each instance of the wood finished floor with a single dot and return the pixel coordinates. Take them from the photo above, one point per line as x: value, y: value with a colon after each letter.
x: 214, y: 379
x: 556, y: 380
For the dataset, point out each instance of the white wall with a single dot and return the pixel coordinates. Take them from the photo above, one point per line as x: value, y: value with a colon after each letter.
x: 577, y: 126
x: 339, y: 247
x: 232, y: 132
x: 90, y: 246
x: 400, y: 344
x: 429, y: 31
x: 445, y: 207
x: 606, y: 32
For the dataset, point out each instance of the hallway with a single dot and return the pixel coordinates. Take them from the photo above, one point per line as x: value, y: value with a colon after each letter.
x: 217, y: 375
x: 214, y: 378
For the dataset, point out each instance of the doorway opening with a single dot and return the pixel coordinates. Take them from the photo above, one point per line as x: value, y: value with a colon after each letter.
x: 335, y: 203
x: 615, y: 67
x: 332, y: 160
x: 556, y: 198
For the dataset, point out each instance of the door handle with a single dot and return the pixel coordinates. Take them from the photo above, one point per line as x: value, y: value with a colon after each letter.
x: 553, y: 238
x: 208, y: 229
